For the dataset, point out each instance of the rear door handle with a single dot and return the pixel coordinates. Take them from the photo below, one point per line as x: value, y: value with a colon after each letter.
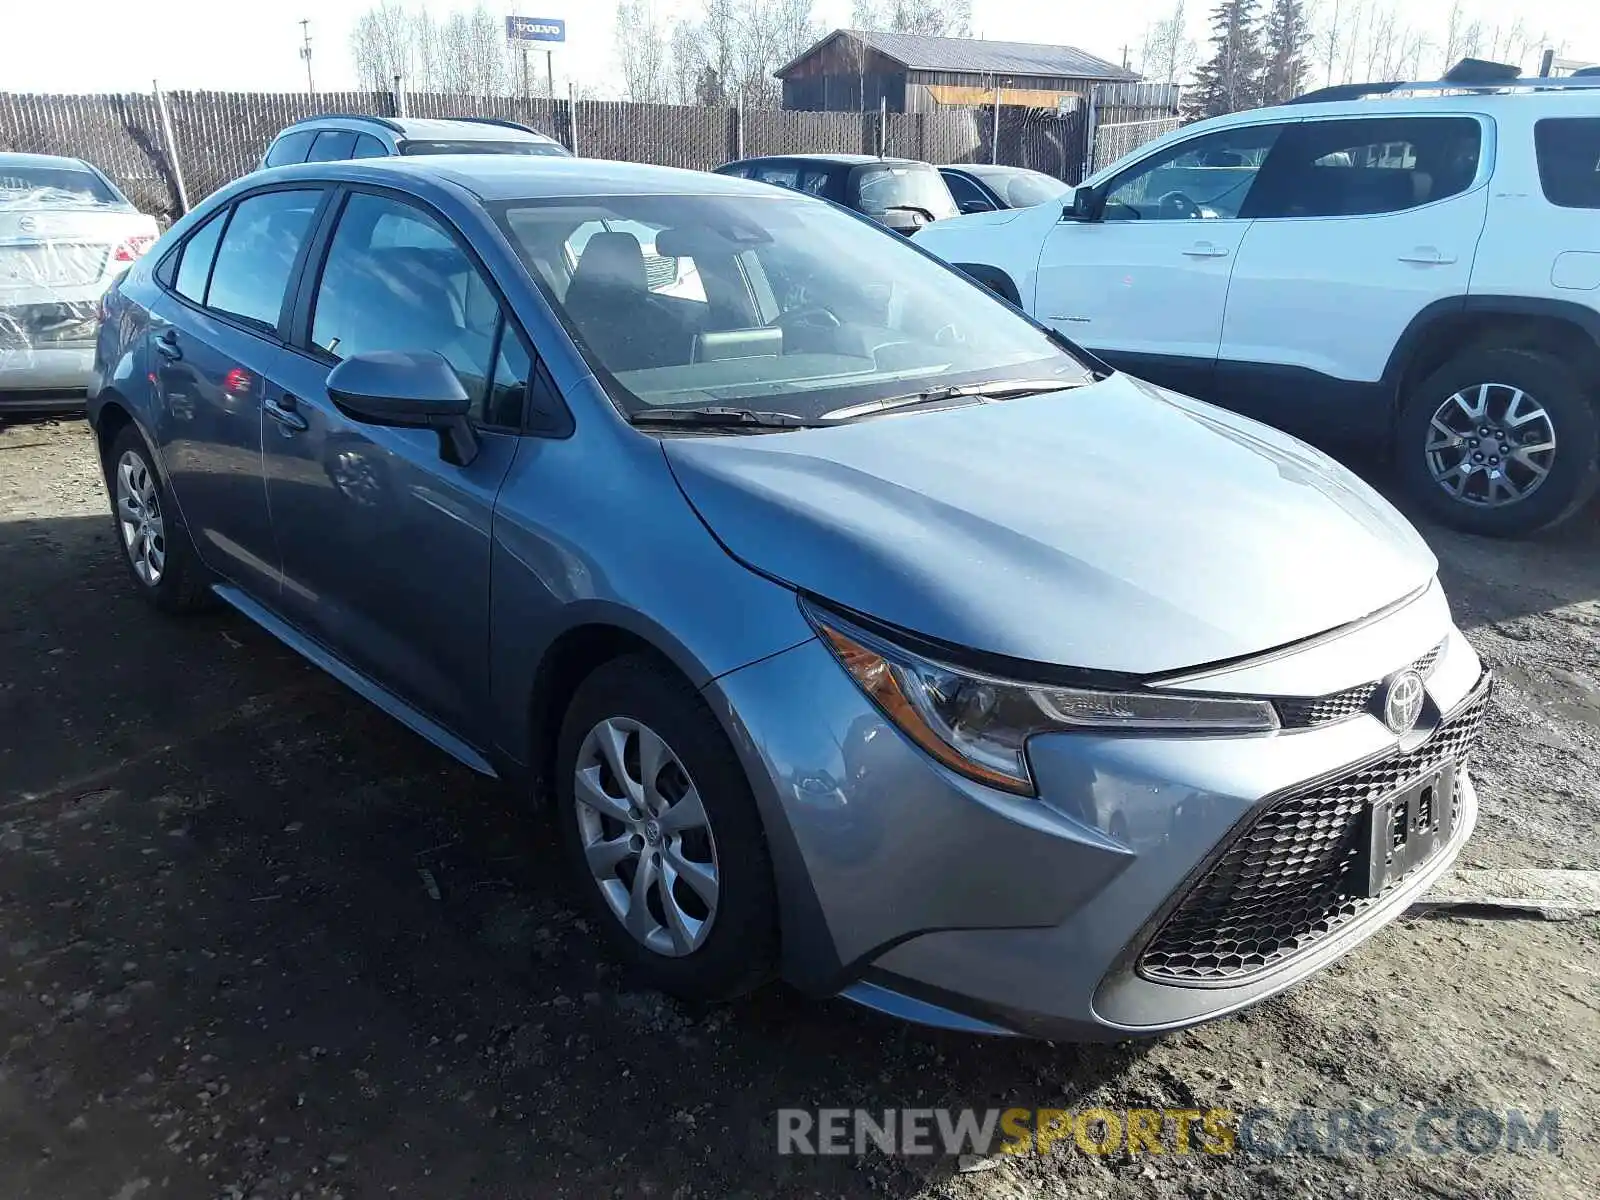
x: 1206, y: 250
x: 284, y: 413
x: 1428, y: 256
x: 167, y: 346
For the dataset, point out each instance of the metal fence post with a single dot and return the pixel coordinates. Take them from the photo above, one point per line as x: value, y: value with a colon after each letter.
x: 1090, y: 128
x: 172, y: 148
x: 738, y: 128
x: 572, y: 117
x: 399, y: 96
x: 883, y: 125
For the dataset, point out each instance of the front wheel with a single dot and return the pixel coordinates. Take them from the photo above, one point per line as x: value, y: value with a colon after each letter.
x: 662, y: 834
x: 1502, y: 442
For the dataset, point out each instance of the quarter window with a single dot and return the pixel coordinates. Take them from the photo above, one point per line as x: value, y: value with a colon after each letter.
x: 257, y: 254
x: 194, y: 268
x: 1205, y: 178
x: 1569, y: 160
x: 395, y: 279
x: 1366, y: 167
x: 368, y: 146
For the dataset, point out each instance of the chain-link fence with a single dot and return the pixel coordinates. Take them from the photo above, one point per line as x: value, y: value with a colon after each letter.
x: 1112, y: 142
x: 218, y: 136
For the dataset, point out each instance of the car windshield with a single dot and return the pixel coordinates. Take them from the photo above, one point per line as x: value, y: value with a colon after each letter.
x: 1024, y: 189
x: 780, y: 304
x: 66, y: 185
x: 915, y: 185
x: 467, y: 146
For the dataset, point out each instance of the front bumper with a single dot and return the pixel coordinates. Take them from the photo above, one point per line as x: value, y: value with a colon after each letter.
x: 919, y: 892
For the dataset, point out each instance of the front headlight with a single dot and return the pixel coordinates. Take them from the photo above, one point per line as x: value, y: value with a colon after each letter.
x: 979, y: 725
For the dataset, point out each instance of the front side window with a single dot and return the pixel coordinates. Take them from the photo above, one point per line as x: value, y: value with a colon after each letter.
x: 916, y: 188
x: 806, y: 309
x: 290, y: 148
x: 395, y: 279
x: 1204, y: 178
x: 1569, y: 160
x: 258, y: 252
x: 1367, y: 166
x: 968, y: 196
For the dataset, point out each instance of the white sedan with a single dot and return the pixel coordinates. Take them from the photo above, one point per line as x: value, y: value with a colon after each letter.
x: 65, y: 233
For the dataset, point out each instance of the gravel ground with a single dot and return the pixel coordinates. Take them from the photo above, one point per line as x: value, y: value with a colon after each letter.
x: 258, y: 941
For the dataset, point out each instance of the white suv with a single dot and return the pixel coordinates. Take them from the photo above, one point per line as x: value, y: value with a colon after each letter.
x: 1412, y: 264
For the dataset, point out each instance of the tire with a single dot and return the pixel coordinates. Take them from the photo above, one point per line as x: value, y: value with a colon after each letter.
x: 1572, y: 467
x: 737, y: 946
x: 181, y: 585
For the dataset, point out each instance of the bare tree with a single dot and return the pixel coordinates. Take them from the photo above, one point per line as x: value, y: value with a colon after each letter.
x: 641, y: 51
x: 932, y: 18
x: 380, y: 43
x: 1169, y: 52
x: 1461, y: 36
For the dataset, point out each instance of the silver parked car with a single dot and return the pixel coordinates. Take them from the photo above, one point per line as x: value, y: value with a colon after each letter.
x: 65, y: 233
x: 334, y: 137
x: 856, y: 628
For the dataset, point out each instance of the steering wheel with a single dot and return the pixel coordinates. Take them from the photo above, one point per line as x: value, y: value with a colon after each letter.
x: 807, y: 316
x: 1177, y: 205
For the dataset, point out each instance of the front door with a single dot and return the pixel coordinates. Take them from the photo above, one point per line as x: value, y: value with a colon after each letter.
x: 215, y: 356
x: 1145, y: 286
x: 385, y: 546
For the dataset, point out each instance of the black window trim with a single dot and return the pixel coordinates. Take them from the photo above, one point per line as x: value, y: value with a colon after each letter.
x: 279, y: 334
x: 1539, y: 159
x: 557, y: 423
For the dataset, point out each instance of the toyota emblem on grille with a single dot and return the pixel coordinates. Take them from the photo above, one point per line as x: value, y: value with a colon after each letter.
x: 1402, y: 701
x: 27, y: 224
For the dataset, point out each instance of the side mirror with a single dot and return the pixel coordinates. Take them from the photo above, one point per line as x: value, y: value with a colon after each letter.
x: 409, y: 390
x: 1086, y: 204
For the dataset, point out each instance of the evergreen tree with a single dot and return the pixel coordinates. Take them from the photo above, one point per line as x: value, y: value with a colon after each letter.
x: 1231, y: 78
x: 1285, y: 37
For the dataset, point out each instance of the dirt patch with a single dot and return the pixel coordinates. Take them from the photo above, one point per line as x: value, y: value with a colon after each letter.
x: 258, y: 941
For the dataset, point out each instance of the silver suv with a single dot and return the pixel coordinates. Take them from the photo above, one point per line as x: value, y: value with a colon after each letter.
x: 337, y: 137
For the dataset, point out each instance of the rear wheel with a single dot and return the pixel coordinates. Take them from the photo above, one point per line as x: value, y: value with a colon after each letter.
x: 156, y: 548
x: 1502, y: 442
x: 662, y: 834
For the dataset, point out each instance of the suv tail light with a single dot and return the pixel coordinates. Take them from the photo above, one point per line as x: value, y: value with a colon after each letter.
x: 133, y: 249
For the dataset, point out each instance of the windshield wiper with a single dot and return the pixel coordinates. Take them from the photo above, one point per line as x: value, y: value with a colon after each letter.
x: 1002, y: 390
x: 718, y: 418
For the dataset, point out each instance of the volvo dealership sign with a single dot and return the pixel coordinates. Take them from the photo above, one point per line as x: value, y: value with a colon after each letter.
x: 535, y: 29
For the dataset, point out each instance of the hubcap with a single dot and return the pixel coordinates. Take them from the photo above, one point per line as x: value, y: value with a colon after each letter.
x: 1490, y: 445
x: 139, y: 519
x: 646, y: 837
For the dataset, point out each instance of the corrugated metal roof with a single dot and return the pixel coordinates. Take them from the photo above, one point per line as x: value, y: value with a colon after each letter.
x: 919, y: 53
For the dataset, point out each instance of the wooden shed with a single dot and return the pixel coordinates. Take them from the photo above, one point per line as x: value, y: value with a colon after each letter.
x: 853, y: 70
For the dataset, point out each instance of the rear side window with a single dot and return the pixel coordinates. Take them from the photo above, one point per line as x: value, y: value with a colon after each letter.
x: 332, y: 145
x: 1366, y: 167
x: 368, y: 146
x: 194, y: 267
x: 257, y: 254
x: 1569, y: 160
x: 290, y: 148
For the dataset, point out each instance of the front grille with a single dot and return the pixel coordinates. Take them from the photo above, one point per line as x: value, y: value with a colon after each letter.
x: 1283, y: 884
x: 1324, y: 710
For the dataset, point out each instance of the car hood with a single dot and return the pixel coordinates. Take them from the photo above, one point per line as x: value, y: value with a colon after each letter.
x: 1112, y: 527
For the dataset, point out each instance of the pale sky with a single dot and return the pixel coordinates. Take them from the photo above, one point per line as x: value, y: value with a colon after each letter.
x: 121, y: 45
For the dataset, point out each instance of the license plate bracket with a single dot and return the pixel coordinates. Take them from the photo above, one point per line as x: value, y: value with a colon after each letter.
x: 1403, y: 831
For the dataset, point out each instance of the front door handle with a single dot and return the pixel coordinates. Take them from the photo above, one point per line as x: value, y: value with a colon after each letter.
x: 1428, y: 256
x: 284, y: 413
x: 1206, y: 250
x: 167, y: 346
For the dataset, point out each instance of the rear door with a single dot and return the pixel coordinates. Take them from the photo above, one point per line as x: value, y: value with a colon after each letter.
x: 216, y: 350
x: 1146, y: 286
x: 385, y: 546
x: 1359, y: 224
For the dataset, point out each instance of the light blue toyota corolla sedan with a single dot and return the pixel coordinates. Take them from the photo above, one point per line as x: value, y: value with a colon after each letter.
x: 858, y: 630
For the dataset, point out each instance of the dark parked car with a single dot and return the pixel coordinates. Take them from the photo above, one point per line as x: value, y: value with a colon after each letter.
x: 902, y: 193
x: 985, y: 187
x: 856, y: 628
x: 335, y: 137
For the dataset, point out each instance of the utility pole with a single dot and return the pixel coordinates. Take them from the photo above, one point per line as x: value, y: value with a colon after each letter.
x: 305, y: 53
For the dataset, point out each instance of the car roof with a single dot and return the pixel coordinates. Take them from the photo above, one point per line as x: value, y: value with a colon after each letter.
x: 982, y: 169
x: 445, y: 129
x: 18, y: 159
x: 493, y: 177
x: 832, y: 160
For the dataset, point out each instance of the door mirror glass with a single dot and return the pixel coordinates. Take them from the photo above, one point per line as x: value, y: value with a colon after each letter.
x: 410, y: 389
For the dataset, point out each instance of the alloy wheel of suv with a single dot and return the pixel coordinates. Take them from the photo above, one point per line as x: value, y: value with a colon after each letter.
x: 661, y: 832
x: 1500, y: 441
